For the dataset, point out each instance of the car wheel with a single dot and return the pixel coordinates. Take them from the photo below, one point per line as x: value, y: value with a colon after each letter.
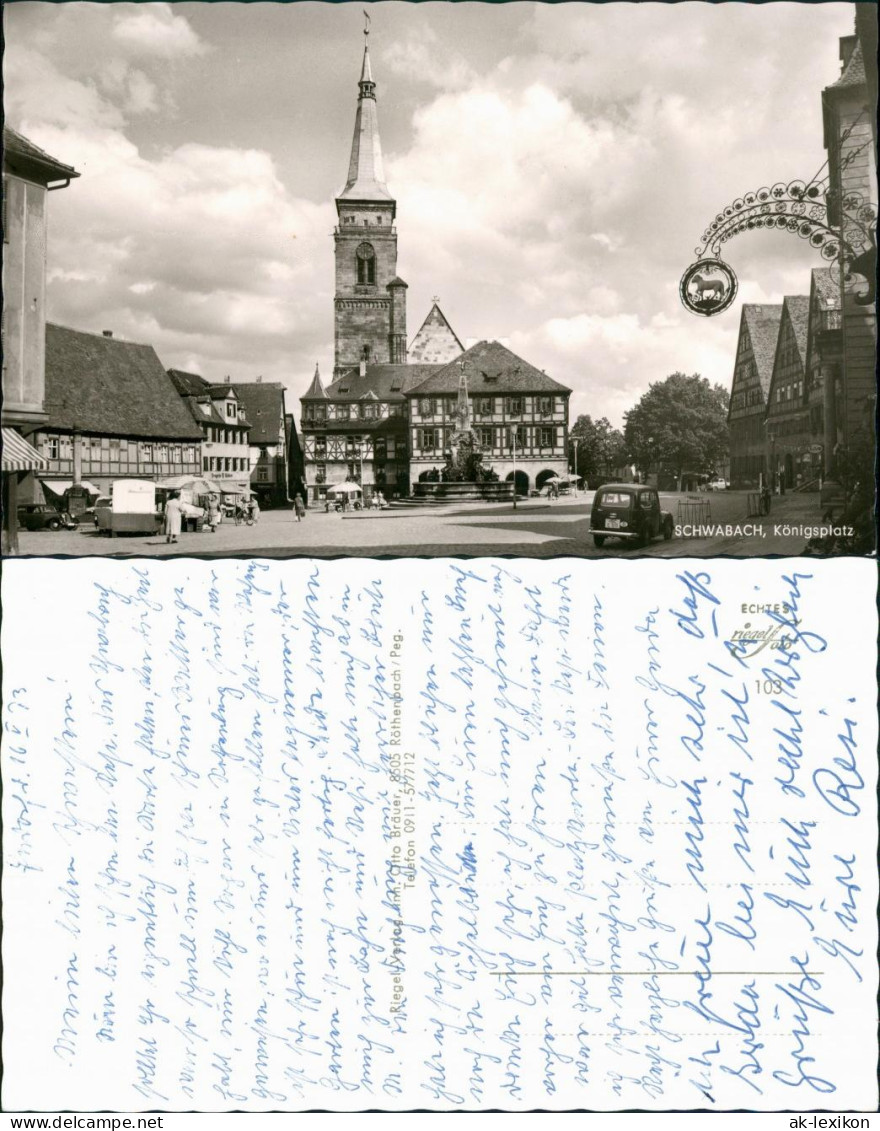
x: 599, y: 540
x: 667, y: 529
x: 53, y: 524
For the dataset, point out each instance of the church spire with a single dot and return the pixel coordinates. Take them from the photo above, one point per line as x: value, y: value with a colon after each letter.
x: 366, y: 172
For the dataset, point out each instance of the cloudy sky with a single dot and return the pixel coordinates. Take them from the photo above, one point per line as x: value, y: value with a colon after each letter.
x: 554, y: 167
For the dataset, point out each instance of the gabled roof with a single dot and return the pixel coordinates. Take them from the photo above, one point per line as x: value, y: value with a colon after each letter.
x: 199, y: 394
x: 826, y: 286
x: 793, y: 326
x: 316, y: 390
x: 490, y: 368
x: 221, y: 392
x: 187, y: 384
x: 824, y: 297
x: 436, y: 342
x: 762, y: 321
x: 263, y: 408
x: 21, y: 155
x: 853, y: 73
x: 386, y: 382
x: 797, y: 310
x: 111, y: 387
x: 203, y: 412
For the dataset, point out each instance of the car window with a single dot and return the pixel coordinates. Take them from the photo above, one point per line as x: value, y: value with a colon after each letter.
x: 615, y: 499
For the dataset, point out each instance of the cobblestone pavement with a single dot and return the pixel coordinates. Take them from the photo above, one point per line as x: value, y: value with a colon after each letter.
x: 535, y: 528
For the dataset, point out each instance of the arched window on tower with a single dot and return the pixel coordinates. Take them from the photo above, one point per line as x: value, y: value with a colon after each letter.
x: 366, y: 264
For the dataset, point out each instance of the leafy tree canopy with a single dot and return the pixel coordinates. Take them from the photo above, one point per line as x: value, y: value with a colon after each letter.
x: 600, y: 448
x: 679, y: 425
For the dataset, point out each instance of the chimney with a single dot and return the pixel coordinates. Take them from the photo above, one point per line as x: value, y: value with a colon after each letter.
x: 107, y: 333
x: 228, y: 379
x: 259, y: 379
x: 363, y: 367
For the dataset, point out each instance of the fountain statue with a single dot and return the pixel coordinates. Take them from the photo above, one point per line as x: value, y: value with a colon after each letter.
x: 463, y: 475
x: 464, y: 458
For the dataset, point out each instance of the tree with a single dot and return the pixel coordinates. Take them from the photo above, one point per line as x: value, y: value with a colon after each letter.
x: 600, y: 448
x: 679, y: 426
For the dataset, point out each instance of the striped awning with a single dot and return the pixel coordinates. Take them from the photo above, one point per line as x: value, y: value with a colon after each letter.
x: 18, y: 455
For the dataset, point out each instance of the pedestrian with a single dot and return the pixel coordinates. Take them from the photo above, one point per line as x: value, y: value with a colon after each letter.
x: 254, y: 508
x: 213, y: 512
x: 299, y: 507
x: 173, y: 517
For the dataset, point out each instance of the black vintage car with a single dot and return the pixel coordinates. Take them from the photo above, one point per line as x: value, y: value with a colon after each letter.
x: 40, y: 516
x: 629, y: 511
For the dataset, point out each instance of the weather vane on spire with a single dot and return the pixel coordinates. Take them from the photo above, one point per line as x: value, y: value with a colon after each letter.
x: 366, y: 22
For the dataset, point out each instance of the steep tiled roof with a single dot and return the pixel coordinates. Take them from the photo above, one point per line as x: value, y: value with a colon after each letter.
x: 388, y: 382
x: 798, y: 308
x: 854, y: 71
x: 763, y: 323
x: 187, y: 384
x: 490, y: 368
x: 18, y: 150
x: 436, y: 342
x: 827, y: 286
x: 111, y: 387
x: 219, y: 392
x: 263, y: 408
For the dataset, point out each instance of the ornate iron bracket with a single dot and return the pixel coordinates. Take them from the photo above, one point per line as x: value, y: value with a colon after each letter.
x: 802, y: 208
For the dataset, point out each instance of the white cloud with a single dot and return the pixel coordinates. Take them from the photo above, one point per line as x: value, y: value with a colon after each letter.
x: 419, y: 56
x: 553, y: 195
x: 153, y: 29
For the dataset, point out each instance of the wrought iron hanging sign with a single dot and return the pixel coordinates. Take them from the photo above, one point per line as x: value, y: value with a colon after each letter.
x: 708, y: 286
x: 801, y: 208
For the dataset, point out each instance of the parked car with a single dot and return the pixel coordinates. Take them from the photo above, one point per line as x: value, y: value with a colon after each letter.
x: 40, y: 516
x: 629, y: 511
x: 717, y: 485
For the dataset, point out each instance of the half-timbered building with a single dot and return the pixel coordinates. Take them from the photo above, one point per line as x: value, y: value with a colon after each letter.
x: 787, y: 422
x: 752, y: 371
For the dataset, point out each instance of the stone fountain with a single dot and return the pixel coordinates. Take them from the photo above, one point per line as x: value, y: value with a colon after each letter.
x: 463, y: 475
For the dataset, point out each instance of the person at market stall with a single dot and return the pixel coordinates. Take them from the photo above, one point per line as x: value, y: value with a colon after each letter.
x: 173, y: 517
x: 213, y: 512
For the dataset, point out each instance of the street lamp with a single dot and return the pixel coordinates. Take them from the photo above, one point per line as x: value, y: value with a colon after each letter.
x: 771, y: 436
x: 513, y: 443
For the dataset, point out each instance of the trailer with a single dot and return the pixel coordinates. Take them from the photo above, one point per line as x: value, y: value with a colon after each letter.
x: 134, y: 508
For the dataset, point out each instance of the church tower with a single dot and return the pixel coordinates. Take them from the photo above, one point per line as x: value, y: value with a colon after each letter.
x: 370, y: 302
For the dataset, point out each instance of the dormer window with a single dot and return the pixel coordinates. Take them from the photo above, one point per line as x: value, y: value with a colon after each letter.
x: 366, y: 264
